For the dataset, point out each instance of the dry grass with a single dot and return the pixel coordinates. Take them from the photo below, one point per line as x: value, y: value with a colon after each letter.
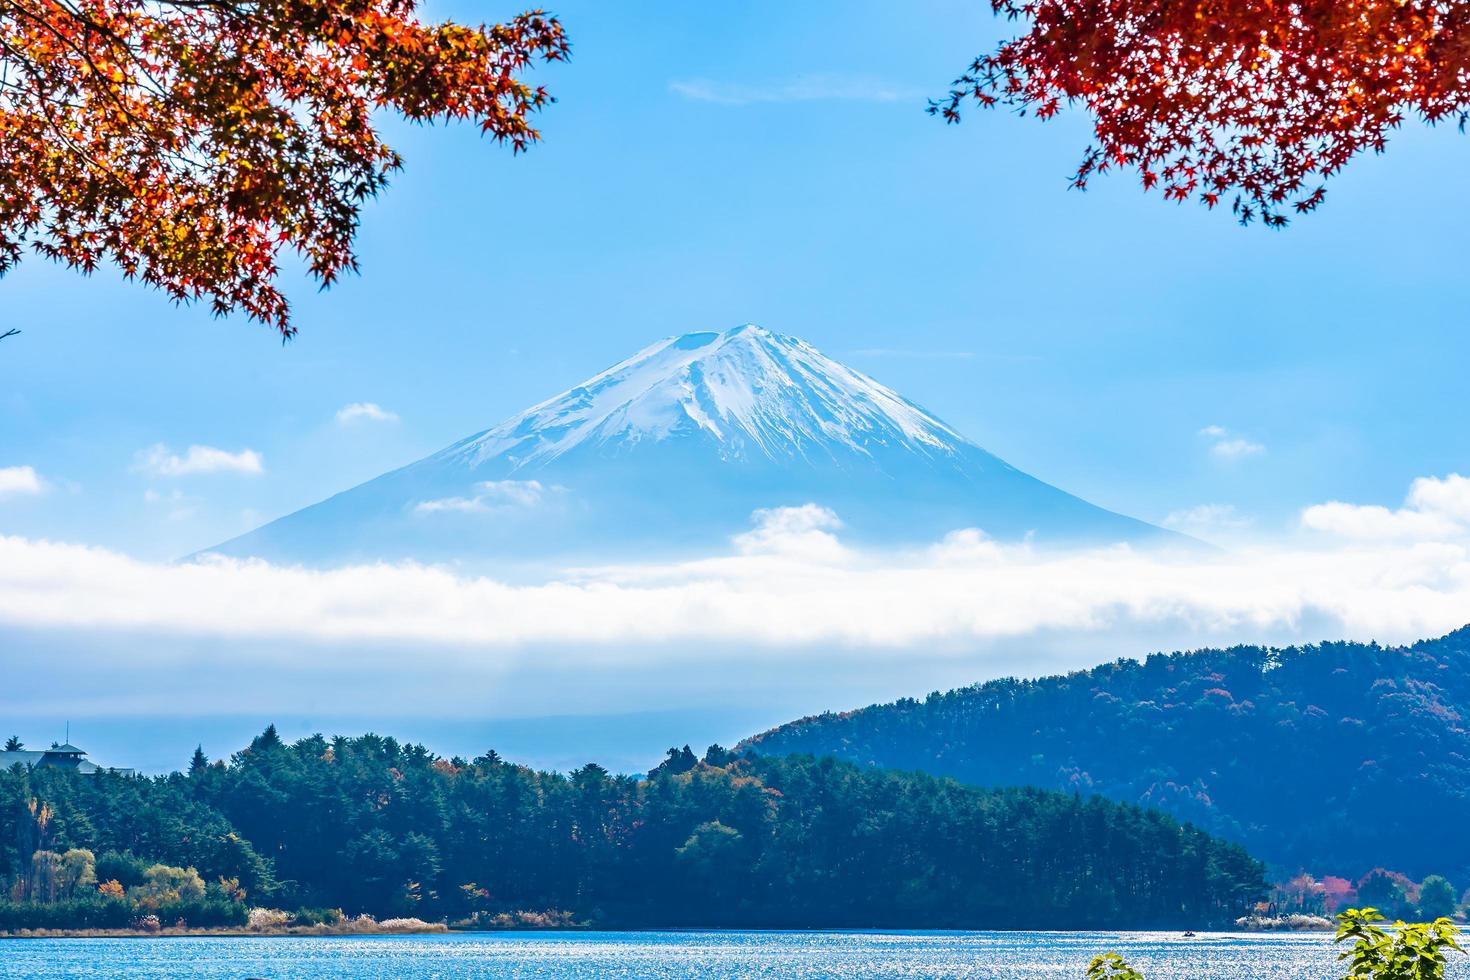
x: 363, y: 925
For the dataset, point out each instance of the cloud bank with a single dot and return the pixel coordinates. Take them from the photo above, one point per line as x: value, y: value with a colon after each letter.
x: 789, y: 616
x: 788, y: 582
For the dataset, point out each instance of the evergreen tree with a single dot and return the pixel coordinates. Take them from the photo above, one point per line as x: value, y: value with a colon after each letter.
x: 14, y: 744
x: 373, y: 825
x: 199, y: 763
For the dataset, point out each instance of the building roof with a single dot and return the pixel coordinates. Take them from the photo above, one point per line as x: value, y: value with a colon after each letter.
x: 39, y: 757
x: 67, y: 748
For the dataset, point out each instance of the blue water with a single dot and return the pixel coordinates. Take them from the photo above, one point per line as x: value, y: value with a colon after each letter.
x: 685, y: 956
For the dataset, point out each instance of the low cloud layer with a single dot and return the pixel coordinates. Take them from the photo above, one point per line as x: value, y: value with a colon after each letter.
x: 788, y: 582
x: 789, y: 610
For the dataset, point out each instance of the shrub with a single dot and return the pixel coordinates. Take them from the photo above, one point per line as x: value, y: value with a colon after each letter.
x: 92, y: 912
x: 262, y: 919
x: 316, y: 917
x: 1111, y: 966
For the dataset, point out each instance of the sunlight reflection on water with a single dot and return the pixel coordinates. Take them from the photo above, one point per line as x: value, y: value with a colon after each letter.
x: 688, y: 956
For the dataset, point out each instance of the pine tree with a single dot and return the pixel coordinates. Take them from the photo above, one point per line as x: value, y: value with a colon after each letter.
x: 199, y: 763
x: 266, y: 740
x: 13, y: 744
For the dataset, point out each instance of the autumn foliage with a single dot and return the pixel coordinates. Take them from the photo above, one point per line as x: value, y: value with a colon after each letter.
x: 190, y: 141
x: 1255, y: 102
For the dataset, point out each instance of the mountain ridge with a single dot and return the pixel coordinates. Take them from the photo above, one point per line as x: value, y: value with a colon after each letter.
x: 1306, y: 755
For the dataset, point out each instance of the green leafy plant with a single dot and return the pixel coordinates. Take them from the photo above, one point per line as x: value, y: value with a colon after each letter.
x: 1111, y: 966
x: 1409, y: 952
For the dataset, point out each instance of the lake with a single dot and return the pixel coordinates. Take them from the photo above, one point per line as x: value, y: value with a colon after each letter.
x: 682, y: 955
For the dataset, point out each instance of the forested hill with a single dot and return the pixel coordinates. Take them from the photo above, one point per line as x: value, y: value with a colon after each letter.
x: 370, y: 825
x: 1333, y: 758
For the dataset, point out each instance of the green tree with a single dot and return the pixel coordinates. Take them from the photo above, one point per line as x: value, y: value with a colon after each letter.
x: 1436, y: 898
x: 77, y: 873
x: 199, y: 763
x: 14, y: 744
x: 44, y: 883
x: 710, y: 849
x: 1385, y: 890
x: 1410, y: 952
x: 166, y: 885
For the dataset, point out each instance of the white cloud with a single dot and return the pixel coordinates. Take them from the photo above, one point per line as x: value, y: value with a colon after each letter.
x: 1236, y: 448
x: 1224, y: 445
x: 179, y: 506
x: 20, y: 481
x: 1435, y: 508
x: 364, y: 412
x: 805, y: 531
x: 1449, y: 496
x: 490, y: 496
x: 915, y: 355
x: 1208, y: 519
x: 159, y: 460
x: 791, y: 589
x: 803, y: 88
x: 789, y: 583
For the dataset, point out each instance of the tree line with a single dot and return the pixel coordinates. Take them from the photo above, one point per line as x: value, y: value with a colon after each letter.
x: 370, y: 825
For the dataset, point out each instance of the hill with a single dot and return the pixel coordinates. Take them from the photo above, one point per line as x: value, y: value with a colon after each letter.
x: 1331, y: 758
x: 674, y: 449
x: 371, y: 825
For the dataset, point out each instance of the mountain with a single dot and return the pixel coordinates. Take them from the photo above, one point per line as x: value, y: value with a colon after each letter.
x: 1333, y: 758
x: 675, y: 448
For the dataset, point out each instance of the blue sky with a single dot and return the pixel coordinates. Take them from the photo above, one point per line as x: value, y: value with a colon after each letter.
x: 718, y: 163
x: 1085, y: 337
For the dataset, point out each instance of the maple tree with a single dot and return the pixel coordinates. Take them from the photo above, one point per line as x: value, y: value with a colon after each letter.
x: 1253, y: 101
x: 191, y: 141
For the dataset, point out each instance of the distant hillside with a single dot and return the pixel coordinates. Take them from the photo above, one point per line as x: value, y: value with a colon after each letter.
x: 1332, y: 758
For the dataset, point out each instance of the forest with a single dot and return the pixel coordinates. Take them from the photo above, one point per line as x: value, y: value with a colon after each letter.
x: 370, y: 825
x: 1339, y: 760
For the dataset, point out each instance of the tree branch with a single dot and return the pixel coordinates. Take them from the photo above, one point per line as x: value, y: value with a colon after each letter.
x: 9, y: 333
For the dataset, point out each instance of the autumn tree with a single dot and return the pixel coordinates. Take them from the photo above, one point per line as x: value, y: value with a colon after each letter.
x: 1256, y: 103
x: 191, y: 141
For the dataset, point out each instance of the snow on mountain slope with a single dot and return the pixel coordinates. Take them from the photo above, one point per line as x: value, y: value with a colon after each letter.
x: 753, y: 392
x: 673, y: 449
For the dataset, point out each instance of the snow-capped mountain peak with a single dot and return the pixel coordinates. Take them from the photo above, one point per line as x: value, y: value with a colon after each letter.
x: 674, y: 449
x: 754, y: 392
